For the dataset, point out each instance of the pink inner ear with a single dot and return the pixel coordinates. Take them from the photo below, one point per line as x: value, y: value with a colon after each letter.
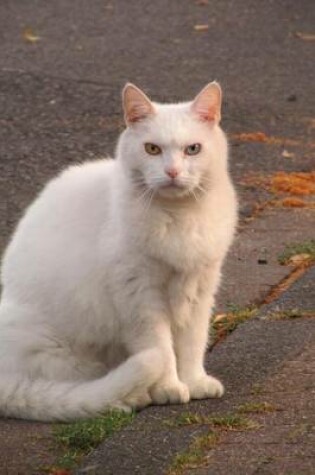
x: 137, y: 112
x: 207, y: 115
x: 207, y: 104
x: 136, y: 104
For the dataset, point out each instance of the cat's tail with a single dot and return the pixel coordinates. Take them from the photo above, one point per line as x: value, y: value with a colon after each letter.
x: 63, y: 401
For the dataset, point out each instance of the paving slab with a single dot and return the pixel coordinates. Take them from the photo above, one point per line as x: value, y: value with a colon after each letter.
x: 284, y: 443
x: 26, y: 447
x: 295, y: 299
x: 252, y: 269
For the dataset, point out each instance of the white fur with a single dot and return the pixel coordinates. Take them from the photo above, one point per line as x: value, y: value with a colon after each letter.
x: 110, y: 276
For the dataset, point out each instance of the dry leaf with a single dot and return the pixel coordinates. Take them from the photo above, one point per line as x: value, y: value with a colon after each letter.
x: 293, y: 203
x: 299, y: 259
x: 30, y: 36
x: 295, y: 183
x: 305, y: 36
x: 287, y: 154
x: 219, y: 317
x: 201, y: 27
x: 60, y: 471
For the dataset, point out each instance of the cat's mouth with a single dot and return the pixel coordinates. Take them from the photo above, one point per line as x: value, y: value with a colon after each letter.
x: 171, y: 189
x: 172, y: 184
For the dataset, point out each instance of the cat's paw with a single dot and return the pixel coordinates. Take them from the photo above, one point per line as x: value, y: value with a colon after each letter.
x: 120, y: 406
x: 172, y: 393
x: 205, y: 387
x: 138, y: 401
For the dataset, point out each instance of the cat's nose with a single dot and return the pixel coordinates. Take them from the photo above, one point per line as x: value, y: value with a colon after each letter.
x: 172, y: 172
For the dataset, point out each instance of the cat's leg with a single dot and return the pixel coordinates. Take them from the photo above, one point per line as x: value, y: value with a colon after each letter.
x: 156, y: 334
x: 39, y: 379
x: 191, y: 339
x: 190, y: 344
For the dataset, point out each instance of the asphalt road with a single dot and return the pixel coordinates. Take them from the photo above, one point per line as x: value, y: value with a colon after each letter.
x: 62, y: 66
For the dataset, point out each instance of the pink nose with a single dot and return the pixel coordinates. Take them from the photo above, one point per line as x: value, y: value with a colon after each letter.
x: 172, y: 172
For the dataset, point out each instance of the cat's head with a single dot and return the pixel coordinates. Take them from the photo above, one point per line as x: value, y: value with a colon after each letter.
x: 173, y: 150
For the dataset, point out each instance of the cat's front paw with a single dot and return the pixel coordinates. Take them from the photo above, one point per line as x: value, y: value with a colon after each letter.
x: 138, y: 400
x: 205, y: 387
x: 173, y: 393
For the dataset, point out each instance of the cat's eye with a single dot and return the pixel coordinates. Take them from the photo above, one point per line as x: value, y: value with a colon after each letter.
x: 152, y: 149
x: 193, y: 149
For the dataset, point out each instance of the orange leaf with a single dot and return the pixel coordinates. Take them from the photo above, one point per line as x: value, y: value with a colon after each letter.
x: 30, y: 36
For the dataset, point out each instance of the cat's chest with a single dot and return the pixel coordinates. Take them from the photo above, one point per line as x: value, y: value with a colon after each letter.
x: 183, y: 243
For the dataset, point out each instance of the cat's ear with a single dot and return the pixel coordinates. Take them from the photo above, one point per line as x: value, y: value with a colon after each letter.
x: 137, y: 106
x: 207, y: 104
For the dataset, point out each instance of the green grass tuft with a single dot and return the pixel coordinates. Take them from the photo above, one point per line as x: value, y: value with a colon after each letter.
x: 79, y: 438
x: 195, y: 455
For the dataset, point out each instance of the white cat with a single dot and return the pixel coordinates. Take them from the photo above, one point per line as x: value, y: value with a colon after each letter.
x: 110, y: 276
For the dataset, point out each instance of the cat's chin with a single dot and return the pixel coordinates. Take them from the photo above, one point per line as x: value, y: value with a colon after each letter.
x: 173, y: 192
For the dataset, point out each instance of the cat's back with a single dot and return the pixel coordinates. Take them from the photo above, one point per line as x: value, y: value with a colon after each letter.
x: 70, y: 211
x: 74, y: 197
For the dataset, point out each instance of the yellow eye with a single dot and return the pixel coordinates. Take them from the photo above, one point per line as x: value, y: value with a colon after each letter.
x: 152, y: 149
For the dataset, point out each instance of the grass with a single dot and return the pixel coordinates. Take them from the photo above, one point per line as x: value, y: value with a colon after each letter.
x: 225, y: 324
x: 79, y: 438
x: 256, y: 408
x: 291, y: 314
x: 228, y: 422
x: 307, y: 248
x: 196, y: 454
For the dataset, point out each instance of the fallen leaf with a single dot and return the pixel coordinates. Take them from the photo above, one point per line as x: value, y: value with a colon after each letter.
x: 202, y: 2
x: 296, y: 183
x: 263, y: 138
x: 201, y: 27
x: 287, y: 154
x: 30, y: 36
x: 305, y: 36
x: 60, y: 471
x: 219, y: 317
x: 299, y: 259
x: 293, y: 203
